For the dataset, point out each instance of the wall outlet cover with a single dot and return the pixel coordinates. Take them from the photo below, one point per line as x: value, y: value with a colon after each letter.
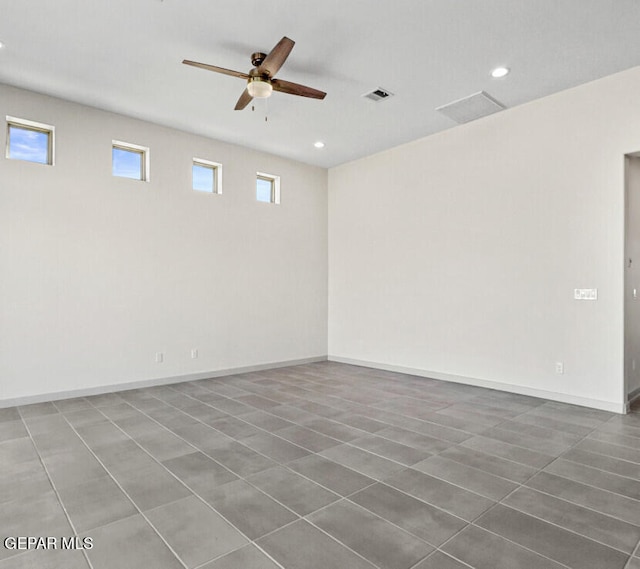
x: 585, y: 293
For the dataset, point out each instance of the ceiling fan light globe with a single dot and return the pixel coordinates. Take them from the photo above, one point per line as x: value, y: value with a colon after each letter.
x: 259, y: 88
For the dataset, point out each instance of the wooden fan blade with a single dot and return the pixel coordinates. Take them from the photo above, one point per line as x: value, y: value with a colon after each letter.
x: 243, y: 101
x: 216, y: 69
x: 276, y: 57
x: 296, y: 89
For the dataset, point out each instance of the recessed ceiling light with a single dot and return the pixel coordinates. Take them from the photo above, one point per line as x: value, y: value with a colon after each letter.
x: 319, y: 144
x: 1, y: 45
x: 499, y: 72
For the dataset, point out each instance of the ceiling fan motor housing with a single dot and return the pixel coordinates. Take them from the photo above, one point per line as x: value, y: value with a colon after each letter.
x: 257, y: 58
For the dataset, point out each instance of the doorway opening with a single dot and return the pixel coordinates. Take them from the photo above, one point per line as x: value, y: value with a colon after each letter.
x: 632, y: 278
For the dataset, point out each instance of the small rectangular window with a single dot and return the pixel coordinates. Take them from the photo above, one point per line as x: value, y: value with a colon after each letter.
x: 130, y: 161
x: 267, y: 188
x: 30, y: 141
x: 206, y: 176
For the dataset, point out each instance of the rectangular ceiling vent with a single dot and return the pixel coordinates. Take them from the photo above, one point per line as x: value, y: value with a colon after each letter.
x: 378, y: 94
x: 471, y: 108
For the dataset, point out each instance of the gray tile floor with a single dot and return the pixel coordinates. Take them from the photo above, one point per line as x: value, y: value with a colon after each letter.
x: 321, y: 466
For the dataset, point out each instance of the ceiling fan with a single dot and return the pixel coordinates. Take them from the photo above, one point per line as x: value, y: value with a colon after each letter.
x: 260, y: 80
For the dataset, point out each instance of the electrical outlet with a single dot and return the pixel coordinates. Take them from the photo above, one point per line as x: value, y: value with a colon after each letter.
x: 585, y: 293
x: 559, y: 368
x: 194, y: 353
x: 159, y: 357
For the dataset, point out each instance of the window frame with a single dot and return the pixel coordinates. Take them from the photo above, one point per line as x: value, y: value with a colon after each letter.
x: 144, y: 162
x: 25, y: 124
x: 275, y: 187
x: 217, y: 175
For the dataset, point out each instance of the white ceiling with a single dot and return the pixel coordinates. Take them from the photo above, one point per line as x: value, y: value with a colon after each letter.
x: 125, y: 56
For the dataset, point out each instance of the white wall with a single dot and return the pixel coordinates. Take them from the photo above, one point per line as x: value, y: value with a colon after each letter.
x: 457, y: 255
x: 98, y: 273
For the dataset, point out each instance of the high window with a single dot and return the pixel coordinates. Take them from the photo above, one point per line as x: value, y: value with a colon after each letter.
x: 130, y: 161
x: 206, y: 176
x: 267, y: 188
x: 30, y: 141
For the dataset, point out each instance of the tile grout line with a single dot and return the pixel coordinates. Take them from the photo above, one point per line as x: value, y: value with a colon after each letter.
x: 285, y: 465
x: 566, y: 528
x: 521, y: 546
x: 468, y: 523
x: 276, y: 463
x: 252, y: 541
x: 391, y: 424
x: 273, y: 498
x: 552, y: 524
x: 593, y: 487
x: 348, y: 499
x: 450, y: 443
x: 140, y: 512
x: 282, y: 464
x: 195, y: 494
x: 635, y: 552
x: 535, y: 473
x: 443, y: 553
x: 53, y: 486
x: 523, y: 484
x: 473, y: 524
x: 250, y: 544
x: 630, y: 478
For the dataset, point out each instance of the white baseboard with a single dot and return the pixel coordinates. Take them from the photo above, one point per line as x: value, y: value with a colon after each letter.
x: 84, y: 392
x: 519, y: 389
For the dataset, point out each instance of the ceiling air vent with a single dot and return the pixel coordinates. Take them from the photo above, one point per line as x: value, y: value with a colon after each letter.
x: 471, y: 108
x: 378, y: 94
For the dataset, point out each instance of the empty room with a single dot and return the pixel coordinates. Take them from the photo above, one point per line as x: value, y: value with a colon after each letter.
x: 320, y: 285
